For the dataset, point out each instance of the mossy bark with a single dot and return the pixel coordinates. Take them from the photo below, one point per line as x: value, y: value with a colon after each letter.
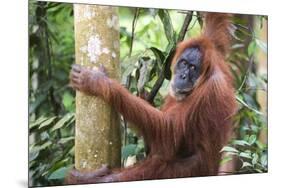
x: 97, y: 132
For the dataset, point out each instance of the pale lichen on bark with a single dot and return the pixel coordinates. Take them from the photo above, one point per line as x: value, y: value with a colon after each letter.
x: 97, y: 139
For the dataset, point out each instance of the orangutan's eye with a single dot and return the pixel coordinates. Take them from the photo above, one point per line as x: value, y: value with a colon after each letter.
x: 192, y: 67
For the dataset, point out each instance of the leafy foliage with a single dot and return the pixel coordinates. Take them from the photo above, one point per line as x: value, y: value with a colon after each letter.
x: 148, y: 38
x: 250, y: 141
x: 51, y: 101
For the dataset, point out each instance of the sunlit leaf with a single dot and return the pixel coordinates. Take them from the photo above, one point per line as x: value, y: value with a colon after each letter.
x: 241, y: 143
x: 246, y: 164
x: 67, y: 100
x: 262, y: 45
x: 252, y: 139
x: 263, y: 160
x: 65, y: 140
x: 252, y: 48
x: 32, y: 155
x: 229, y: 149
x: 47, y: 122
x: 255, y: 158
x: 40, y: 147
x: 245, y: 155
x: 62, y: 121
x: 37, y: 122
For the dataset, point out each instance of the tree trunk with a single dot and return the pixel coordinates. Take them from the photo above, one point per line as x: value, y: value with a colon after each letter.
x: 97, y: 133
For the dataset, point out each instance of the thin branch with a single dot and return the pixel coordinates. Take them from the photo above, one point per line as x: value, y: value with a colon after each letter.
x: 255, y: 89
x: 194, y: 23
x: 128, y: 79
x: 184, y: 28
x: 133, y: 30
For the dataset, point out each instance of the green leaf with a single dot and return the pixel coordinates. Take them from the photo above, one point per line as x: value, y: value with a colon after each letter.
x: 237, y: 46
x: 66, y: 139
x: 59, y: 174
x: 263, y: 160
x: 37, y: 122
x: 62, y: 121
x: 229, y: 149
x: 262, y: 45
x: 128, y: 150
x: 140, y: 147
x: 241, y: 143
x: 44, y: 135
x: 57, y: 165
x: 168, y: 27
x: 246, y: 164
x: 125, y: 33
x: 259, y: 170
x: 47, y: 122
x: 39, y: 100
x: 255, y: 158
x: 71, y: 151
x: 252, y: 139
x: 37, y: 148
x: 68, y: 101
x: 158, y: 54
x: 252, y: 48
x: 245, y: 155
x: 32, y: 155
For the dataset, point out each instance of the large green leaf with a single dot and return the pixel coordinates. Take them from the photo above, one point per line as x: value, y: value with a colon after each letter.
x: 37, y: 122
x: 47, y: 122
x: 252, y: 48
x: 263, y: 160
x: 168, y: 27
x: 37, y: 148
x: 62, y: 121
x: 66, y: 139
x: 241, y: 143
x: 32, y: 155
x: 252, y: 139
x: 262, y: 45
x: 255, y: 158
x: 160, y: 56
x: 59, y: 174
x: 245, y: 155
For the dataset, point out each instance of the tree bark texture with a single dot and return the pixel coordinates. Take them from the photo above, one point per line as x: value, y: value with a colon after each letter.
x: 97, y: 132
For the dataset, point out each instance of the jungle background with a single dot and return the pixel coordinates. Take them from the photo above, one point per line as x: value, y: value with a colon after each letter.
x: 147, y: 40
